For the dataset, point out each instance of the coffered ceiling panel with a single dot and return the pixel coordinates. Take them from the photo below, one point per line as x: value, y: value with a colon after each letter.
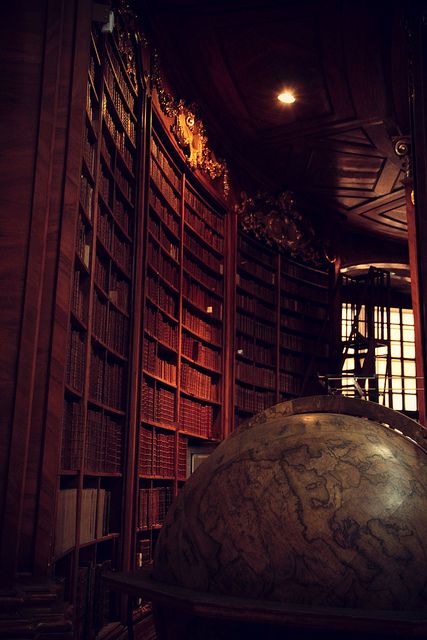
x: 333, y: 145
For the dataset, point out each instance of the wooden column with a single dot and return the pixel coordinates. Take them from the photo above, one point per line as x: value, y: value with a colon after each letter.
x: 417, y: 299
x: 39, y: 46
x: 416, y: 193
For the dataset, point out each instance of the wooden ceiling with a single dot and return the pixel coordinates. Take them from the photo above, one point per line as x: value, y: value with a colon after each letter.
x: 346, y: 62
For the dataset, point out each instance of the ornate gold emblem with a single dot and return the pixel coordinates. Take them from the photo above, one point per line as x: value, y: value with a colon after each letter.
x: 276, y: 221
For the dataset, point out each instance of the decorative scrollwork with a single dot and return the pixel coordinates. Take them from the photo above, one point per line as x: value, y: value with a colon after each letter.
x: 276, y: 221
x: 168, y: 104
x: 128, y: 35
x: 189, y: 131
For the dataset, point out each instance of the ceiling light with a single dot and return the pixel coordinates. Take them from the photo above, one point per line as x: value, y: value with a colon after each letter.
x: 287, y: 97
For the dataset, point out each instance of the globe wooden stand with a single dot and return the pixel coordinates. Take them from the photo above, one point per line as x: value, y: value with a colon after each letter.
x: 184, y: 614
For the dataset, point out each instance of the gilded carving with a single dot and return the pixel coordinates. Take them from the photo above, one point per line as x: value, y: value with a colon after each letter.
x: 128, y: 35
x: 189, y: 131
x: 276, y: 221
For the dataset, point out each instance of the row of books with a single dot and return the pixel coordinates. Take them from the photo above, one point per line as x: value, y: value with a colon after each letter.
x: 121, y: 107
x: 169, y: 219
x: 246, y: 348
x: 254, y: 249
x: 153, y: 362
x: 252, y: 327
x: 156, y: 453
x: 258, y: 376
x: 304, y: 273
x: 122, y: 252
x: 207, y: 214
x: 119, y: 135
x: 102, y: 272
x: 93, y: 67
x: 169, y: 246
x: 206, y: 331
x: 76, y: 356
x: 304, y: 307
x: 144, y: 554
x: 118, y: 290
x: 200, y: 352
x: 158, y: 294
x: 94, y: 517
x: 72, y: 435
x: 79, y: 297
x: 214, y: 283
x: 253, y: 306
x: 305, y: 291
x: 117, y: 332
x: 292, y: 363
x: 94, y: 514
x: 201, y: 384
x: 126, y: 187
x: 83, y: 242
x: 160, y: 327
x: 254, y: 288
x: 201, y: 298
x: 300, y: 323
x: 303, y: 344
x: 86, y: 195
x: 106, y: 186
x: 65, y: 525
x: 104, y: 442
x: 106, y: 381
x: 289, y: 383
x: 207, y: 258
x: 161, y: 263
x: 123, y: 214
x: 165, y: 165
x: 213, y: 239
x: 164, y: 186
x: 182, y: 457
x: 112, y: 282
x: 153, y: 504
x: 122, y: 78
x: 157, y: 403
x: 107, y: 153
x: 253, y: 401
x: 257, y: 270
x: 94, y: 605
x: 91, y: 104
x: 197, y: 418
x: 89, y: 151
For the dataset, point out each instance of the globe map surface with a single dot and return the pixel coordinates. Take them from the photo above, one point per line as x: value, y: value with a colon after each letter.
x: 319, y: 509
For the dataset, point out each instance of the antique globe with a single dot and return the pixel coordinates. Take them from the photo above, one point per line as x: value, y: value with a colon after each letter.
x: 320, y: 502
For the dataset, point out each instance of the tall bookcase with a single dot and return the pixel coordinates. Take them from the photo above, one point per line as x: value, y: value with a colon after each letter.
x: 303, y: 341
x: 280, y: 338
x: 256, y: 328
x: 182, y: 336
x: 94, y: 429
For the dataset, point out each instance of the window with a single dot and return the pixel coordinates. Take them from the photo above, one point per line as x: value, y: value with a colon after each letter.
x: 394, y: 355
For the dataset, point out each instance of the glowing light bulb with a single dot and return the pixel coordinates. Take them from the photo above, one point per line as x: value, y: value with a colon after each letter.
x: 287, y: 97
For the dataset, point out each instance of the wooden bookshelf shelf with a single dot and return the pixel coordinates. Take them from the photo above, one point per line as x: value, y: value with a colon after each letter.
x: 199, y: 397
x: 160, y: 425
x: 106, y: 407
x: 159, y: 379
x: 107, y: 538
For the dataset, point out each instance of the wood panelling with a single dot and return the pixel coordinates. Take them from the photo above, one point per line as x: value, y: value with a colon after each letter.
x: 332, y: 147
x: 22, y: 61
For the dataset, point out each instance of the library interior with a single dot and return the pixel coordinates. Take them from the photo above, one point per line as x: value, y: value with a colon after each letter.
x: 214, y: 320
